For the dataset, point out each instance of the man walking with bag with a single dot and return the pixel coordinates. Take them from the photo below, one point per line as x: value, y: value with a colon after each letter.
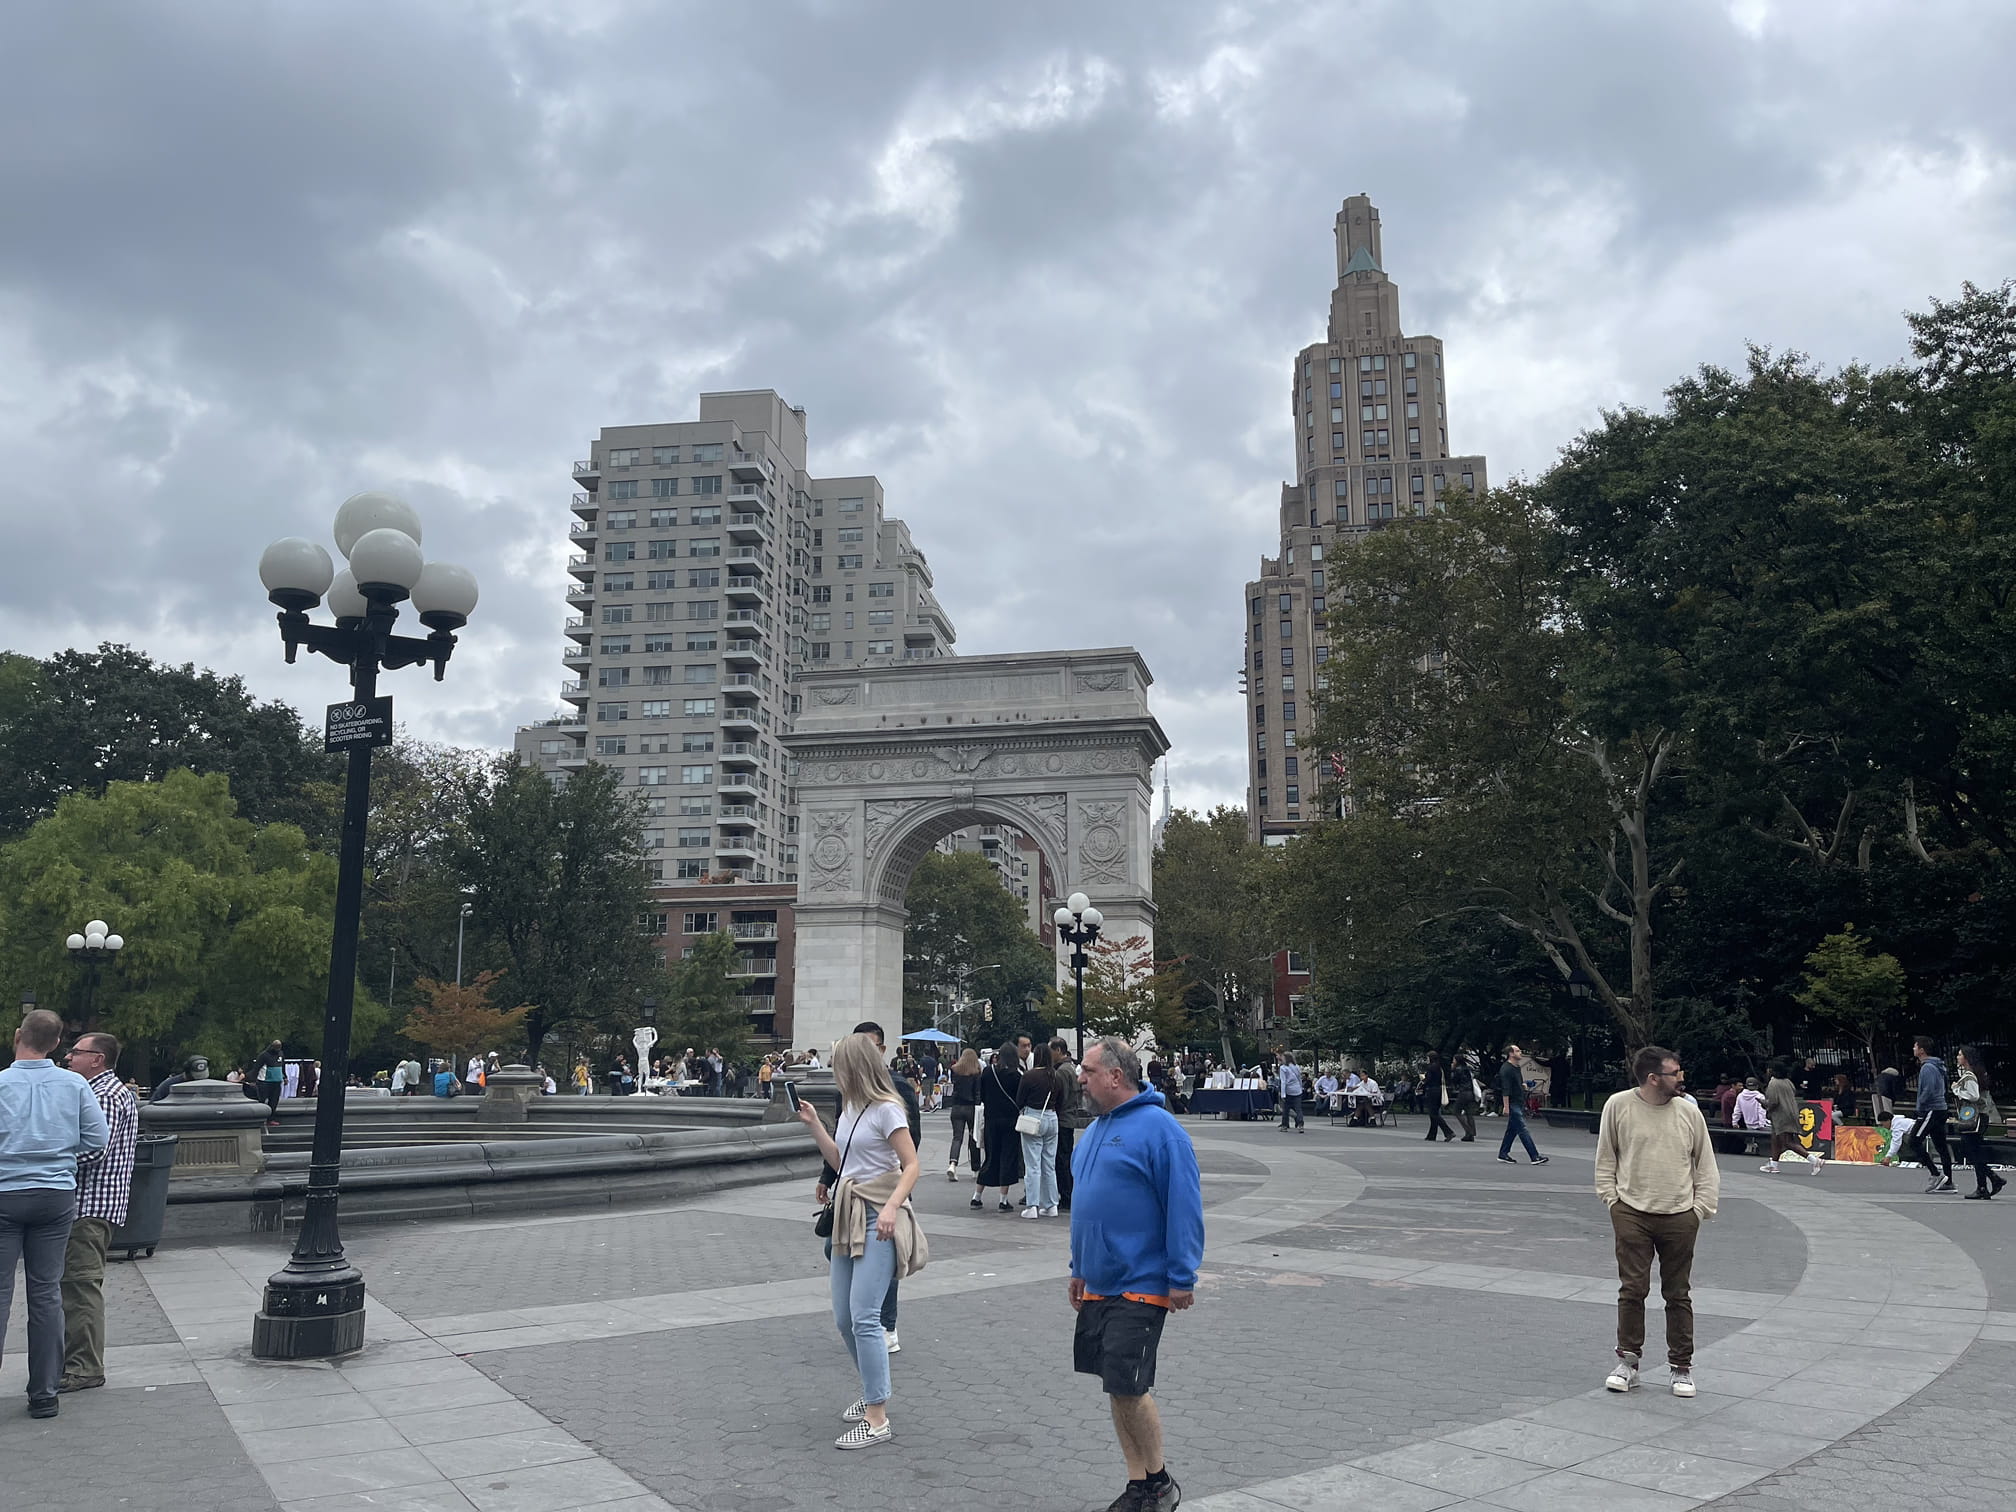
x: 1137, y: 1239
x: 1655, y: 1170
x: 103, y: 1187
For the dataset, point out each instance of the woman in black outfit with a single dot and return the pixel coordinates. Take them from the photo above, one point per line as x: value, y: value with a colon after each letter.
x: 1000, y: 1095
x: 1431, y: 1094
x: 964, y: 1104
x: 1972, y: 1087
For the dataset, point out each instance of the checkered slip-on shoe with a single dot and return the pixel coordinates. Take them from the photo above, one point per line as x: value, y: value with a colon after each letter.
x: 861, y: 1436
x: 858, y: 1413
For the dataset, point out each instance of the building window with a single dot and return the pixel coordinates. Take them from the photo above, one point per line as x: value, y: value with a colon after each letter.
x: 703, y: 609
x: 851, y: 506
x: 850, y: 562
x: 1470, y: 481
x: 618, y: 645
x: 1287, y: 656
x: 823, y: 594
x: 691, y: 741
x: 1287, y: 629
x: 654, y: 923
x: 1293, y: 765
x: 881, y: 648
x: 691, y: 869
x: 1336, y: 440
x: 616, y: 614
x: 1416, y: 486
x: 706, y: 451
x: 1407, y: 361
x: 709, y: 484
x: 692, y: 775
x: 656, y: 708
x: 1288, y: 740
x: 620, y: 519
x: 699, y: 672
x: 697, y: 640
x: 613, y: 677
x: 658, y: 675
x: 652, y: 776
x: 1262, y: 768
x: 848, y: 536
x: 702, y: 923
x: 822, y: 650
x: 664, y: 488
x: 623, y: 488
x: 661, y: 582
x: 620, y: 551
x: 1287, y: 712
x: 696, y: 839
x: 881, y: 616
x: 664, y: 518
x: 1294, y: 795
x: 699, y: 708
x: 610, y: 745
x: 1263, y: 798
x: 664, y: 456
x: 1259, y: 713
x: 881, y: 590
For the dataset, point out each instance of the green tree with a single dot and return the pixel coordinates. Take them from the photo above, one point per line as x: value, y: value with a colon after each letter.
x: 453, y: 1020
x: 1214, y: 935
x: 1850, y: 988
x: 226, y: 923
x: 705, y: 1008
x: 967, y: 940
x: 556, y: 878
x: 83, y: 719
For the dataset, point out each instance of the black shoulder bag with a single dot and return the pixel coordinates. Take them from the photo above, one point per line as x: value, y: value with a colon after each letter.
x: 822, y: 1222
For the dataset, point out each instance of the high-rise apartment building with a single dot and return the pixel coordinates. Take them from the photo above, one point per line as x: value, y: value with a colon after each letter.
x: 708, y: 567
x: 1371, y: 427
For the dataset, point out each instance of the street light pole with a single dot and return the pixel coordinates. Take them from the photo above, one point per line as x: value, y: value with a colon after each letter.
x: 314, y: 1308
x: 1078, y: 924
x: 461, y: 919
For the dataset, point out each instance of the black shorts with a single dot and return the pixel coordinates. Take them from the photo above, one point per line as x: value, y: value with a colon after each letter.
x: 1116, y: 1341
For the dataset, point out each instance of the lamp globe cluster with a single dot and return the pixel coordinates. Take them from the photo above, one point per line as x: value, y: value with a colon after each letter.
x: 379, y: 535
x: 97, y: 936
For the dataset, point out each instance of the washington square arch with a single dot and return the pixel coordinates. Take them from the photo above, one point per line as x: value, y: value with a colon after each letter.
x: 892, y: 759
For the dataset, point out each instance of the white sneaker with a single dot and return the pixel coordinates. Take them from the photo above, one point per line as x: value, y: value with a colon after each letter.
x: 1032, y: 1212
x: 1769, y: 1165
x: 890, y: 1335
x: 1683, y: 1383
x: 1813, y: 1165
x: 1049, y: 1212
x: 951, y: 1173
x: 1623, y: 1378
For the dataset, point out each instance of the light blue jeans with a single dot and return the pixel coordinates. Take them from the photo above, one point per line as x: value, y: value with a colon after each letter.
x: 1039, y: 1163
x: 858, y: 1289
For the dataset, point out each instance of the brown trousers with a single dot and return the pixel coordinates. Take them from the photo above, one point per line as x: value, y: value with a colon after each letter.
x: 1670, y: 1237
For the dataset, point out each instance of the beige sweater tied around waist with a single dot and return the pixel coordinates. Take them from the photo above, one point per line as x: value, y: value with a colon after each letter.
x: 855, y: 1204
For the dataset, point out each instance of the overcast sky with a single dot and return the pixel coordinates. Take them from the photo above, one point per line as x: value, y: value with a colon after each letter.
x: 1041, y: 267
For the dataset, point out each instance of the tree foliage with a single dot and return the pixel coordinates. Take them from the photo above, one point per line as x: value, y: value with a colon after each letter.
x: 556, y: 878
x: 703, y: 1007
x: 1213, y: 935
x: 227, y: 923
x: 453, y: 1021
x: 968, y: 940
x: 82, y: 720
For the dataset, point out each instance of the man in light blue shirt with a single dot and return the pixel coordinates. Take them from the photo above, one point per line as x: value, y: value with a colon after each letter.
x: 49, y: 1117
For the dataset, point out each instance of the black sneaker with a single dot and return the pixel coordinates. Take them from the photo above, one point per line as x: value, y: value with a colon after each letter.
x: 1538, y: 1160
x: 1130, y: 1499
x: 1508, y: 1160
x: 1162, y: 1498
x: 1945, y: 1184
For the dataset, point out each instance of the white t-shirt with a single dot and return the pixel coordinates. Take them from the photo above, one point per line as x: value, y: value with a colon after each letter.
x: 863, y: 1139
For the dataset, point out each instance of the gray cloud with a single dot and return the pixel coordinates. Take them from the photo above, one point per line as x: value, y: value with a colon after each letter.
x: 1041, y: 267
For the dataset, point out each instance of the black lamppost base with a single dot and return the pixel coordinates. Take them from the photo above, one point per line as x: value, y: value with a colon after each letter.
x: 309, y: 1317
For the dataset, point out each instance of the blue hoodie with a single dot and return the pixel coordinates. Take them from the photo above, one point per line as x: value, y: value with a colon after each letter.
x: 1932, y: 1086
x: 1137, y: 1206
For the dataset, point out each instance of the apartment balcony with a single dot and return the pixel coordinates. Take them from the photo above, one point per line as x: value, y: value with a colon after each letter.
x: 581, y: 564
x: 743, y: 653
x: 747, y: 590
x: 578, y: 626
x: 737, y: 785
x: 571, y: 653
x: 756, y: 966
x: 738, y: 813
x: 582, y: 529
x: 751, y: 556
x: 587, y: 474
x: 574, y: 690
x: 586, y: 505
x: 748, y: 496
x: 766, y: 931
x: 747, y: 469
x: 757, y: 1005
x: 573, y: 761
x: 581, y: 594
x: 736, y: 848
x: 741, y: 752
x: 743, y: 684
x: 747, y: 620
x: 744, y: 526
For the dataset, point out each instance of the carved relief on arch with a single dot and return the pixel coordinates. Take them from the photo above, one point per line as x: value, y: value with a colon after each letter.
x: 1102, y: 841
x: 831, y: 850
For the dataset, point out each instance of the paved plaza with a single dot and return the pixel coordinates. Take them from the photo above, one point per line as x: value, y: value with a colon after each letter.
x: 1379, y: 1324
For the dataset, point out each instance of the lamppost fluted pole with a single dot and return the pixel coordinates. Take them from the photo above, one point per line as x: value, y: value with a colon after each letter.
x: 314, y: 1307
x: 1078, y: 925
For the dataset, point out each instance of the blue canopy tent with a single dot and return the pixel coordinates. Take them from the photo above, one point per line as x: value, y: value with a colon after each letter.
x: 936, y: 1036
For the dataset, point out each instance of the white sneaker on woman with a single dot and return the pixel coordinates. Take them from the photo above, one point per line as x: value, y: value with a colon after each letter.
x: 951, y: 1173
x: 1032, y: 1212
x: 1049, y: 1212
x: 861, y: 1436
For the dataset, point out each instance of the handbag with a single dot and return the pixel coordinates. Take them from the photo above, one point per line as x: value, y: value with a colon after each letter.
x: 1967, y: 1118
x: 1030, y: 1120
x: 822, y: 1221
x: 1445, y: 1094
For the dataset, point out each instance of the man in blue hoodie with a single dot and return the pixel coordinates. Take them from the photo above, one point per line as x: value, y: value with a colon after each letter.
x: 1930, y: 1129
x: 1137, y: 1238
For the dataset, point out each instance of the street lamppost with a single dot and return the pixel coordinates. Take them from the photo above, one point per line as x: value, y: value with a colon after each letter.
x: 92, y: 950
x: 314, y: 1307
x: 1078, y: 923
x: 461, y: 919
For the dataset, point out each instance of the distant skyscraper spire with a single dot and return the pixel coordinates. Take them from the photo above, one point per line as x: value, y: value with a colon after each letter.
x: 1162, y: 823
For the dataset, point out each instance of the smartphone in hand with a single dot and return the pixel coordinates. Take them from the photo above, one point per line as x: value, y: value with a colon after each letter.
x: 791, y: 1097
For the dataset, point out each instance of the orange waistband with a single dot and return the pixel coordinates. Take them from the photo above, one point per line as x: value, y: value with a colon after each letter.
x: 1131, y: 1297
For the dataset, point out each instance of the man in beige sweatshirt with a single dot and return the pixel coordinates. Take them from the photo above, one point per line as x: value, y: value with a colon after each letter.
x: 1655, y: 1168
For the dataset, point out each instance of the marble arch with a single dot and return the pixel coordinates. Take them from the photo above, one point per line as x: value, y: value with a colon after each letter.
x: 891, y: 759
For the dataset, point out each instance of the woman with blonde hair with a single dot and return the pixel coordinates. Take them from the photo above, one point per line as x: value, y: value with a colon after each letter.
x: 875, y: 1236
x: 964, y: 1103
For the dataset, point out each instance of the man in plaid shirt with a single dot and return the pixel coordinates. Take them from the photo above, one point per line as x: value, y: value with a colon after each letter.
x: 103, y: 1181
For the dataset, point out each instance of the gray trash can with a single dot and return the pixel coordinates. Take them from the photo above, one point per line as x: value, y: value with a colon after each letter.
x: 147, y: 1205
